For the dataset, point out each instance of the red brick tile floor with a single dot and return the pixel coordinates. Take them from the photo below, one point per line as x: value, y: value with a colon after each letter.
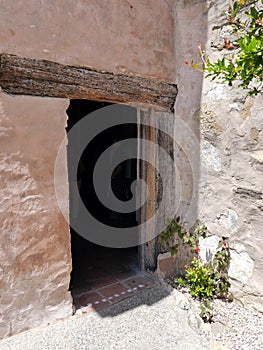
x: 110, y: 291
x: 105, y: 278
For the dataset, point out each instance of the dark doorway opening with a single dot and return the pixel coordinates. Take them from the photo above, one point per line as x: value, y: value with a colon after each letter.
x: 92, y: 264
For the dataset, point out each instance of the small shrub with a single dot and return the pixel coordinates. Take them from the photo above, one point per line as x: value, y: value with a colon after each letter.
x: 200, y: 280
x: 242, y: 61
x: 204, y: 281
x: 209, y: 280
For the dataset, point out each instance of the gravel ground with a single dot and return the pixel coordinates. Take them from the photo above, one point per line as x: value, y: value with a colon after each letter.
x: 233, y: 327
x: 236, y: 327
x: 151, y: 320
x: 159, y: 318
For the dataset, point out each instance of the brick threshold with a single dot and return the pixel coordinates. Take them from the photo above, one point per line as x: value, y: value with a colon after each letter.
x: 114, y: 290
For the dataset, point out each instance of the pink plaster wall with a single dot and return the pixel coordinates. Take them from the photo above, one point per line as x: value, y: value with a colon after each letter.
x: 119, y: 36
x: 35, y: 261
x: 127, y: 36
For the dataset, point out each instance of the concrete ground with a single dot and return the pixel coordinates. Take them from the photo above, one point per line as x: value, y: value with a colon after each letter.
x: 152, y: 319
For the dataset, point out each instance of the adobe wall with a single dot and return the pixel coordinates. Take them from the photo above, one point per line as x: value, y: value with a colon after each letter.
x: 119, y: 36
x: 35, y: 260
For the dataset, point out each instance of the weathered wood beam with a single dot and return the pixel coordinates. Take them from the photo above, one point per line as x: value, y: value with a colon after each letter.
x: 27, y: 76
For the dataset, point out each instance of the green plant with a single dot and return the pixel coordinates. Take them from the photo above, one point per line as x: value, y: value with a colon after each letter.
x: 206, y: 311
x: 220, y: 265
x: 191, y: 238
x: 209, y: 280
x: 243, y: 61
x: 168, y: 238
x: 200, y: 280
x: 203, y: 280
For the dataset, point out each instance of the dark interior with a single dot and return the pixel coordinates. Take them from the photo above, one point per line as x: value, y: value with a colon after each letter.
x: 91, y: 261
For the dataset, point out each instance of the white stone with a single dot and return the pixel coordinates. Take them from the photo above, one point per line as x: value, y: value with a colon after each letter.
x: 218, y: 92
x: 181, y: 300
x: 241, y: 265
x: 194, y: 321
x: 208, y: 248
x: 258, y: 155
x: 229, y: 220
x: 211, y: 155
x: 253, y: 301
x: 235, y: 106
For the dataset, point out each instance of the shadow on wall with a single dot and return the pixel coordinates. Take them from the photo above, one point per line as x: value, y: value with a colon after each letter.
x: 190, y: 28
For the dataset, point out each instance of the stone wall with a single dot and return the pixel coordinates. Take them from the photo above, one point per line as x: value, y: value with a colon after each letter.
x: 228, y: 123
x: 232, y: 154
x: 232, y: 145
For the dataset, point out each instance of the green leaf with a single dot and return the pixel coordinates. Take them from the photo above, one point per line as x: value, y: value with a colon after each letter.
x: 181, y: 282
x: 254, y: 12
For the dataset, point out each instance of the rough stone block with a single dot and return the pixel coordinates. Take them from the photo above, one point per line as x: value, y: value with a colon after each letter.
x: 166, y: 265
x: 241, y: 265
x: 208, y: 248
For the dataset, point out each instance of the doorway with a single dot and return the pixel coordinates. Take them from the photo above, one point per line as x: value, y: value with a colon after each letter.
x: 95, y: 265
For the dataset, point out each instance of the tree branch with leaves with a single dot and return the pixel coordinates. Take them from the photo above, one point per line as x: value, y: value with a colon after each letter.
x: 243, y: 59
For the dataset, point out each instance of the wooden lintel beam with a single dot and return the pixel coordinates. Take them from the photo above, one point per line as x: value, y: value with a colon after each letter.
x: 27, y: 76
